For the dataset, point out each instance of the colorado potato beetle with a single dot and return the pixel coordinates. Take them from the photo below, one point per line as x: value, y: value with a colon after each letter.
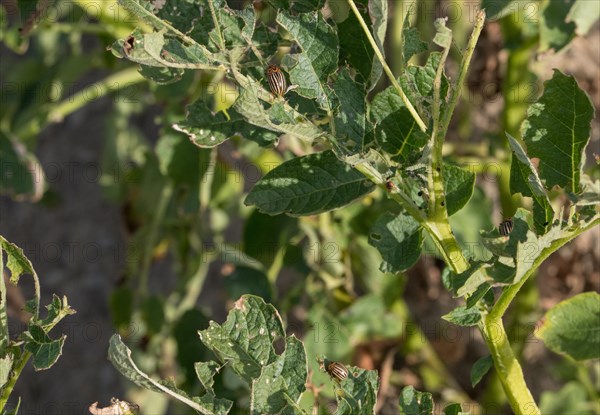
x: 506, y: 227
x: 337, y: 371
x: 276, y: 80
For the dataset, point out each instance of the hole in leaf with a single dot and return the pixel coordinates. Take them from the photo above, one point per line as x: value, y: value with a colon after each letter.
x: 279, y: 345
x: 376, y: 236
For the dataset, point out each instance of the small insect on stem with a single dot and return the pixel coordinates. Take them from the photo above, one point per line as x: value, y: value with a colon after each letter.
x: 276, y: 80
x: 389, y: 185
x: 506, y: 227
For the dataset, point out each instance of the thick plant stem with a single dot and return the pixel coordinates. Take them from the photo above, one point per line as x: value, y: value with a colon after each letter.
x: 508, y: 368
x: 440, y: 232
x: 386, y: 68
x: 492, y: 328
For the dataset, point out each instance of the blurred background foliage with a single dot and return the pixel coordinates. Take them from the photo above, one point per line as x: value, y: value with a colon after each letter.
x: 89, y: 156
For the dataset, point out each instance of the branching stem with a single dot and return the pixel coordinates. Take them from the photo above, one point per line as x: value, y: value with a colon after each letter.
x: 386, y: 68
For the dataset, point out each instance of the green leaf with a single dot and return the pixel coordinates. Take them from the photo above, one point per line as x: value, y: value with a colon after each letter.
x: 303, y: 6
x: 443, y: 35
x: 246, y: 339
x: 350, y: 116
x: 311, y: 68
x: 557, y: 129
x: 590, y: 192
x: 57, y: 310
x: 355, y: 48
x: 378, y: 9
x: 280, y: 117
x: 265, y: 236
x: 368, y: 319
x: 464, y: 316
x: 120, y: 357
x: 121, y: 306
x: 246, y: 280
x: 571, y: 399
x: 398, y: 239
x: 572, y: 327
x: 231, y: 27
x: 189, y: 349
x: 179, y: 159
x: 308, y: 185
x: 584, y: 14
x: 478, y: 294
x: 467, y: 223
x: 466, y: 283
x: 160, y: 74
x: 555, y: 31
x: 413, y: 44
x: 358, y: 395
x: 454, y: 409
x: 45, y: 351
x: 156, y: 50
x: 530, y: 248
x: 18, y: 178
x: 205, y: 372
x: 458, y: 187
x: 280, y: 384
x: 413, y: 402
x: 524, y: 179
x: 179, y: 13
x: 6, y: 365
x: 417, y: 82
x: 480, y: 368
x: 17, y: 263
x: 207, y: 129
x: 153, y: 314
x: 394, y: 127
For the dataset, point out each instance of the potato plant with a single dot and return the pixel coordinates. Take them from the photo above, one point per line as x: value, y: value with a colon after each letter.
x: 358, y: 182
x: 358, y: 141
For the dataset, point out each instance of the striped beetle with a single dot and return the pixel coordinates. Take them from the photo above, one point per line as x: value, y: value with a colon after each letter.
x: 336, y: 370
x: 276, y: 80
x: 506, y: 227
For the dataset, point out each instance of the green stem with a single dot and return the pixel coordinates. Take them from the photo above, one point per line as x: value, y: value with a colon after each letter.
x: 462, y: 74
x: 12, y: 380
x: 584, y: 377
x: 508, y: 368
x: 386, y: 68
x: 159, y: 213
x: 510, y: 292
x: 193, y: 288
x: 92, y: 28
x: 440, y: 232
x: 217, y: 25
x: 206, y: 182
x: 492, y: 327
x: 118, y: 81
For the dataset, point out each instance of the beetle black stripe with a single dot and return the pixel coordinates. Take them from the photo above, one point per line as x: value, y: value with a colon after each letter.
x: 506, y: 227
x: 337, y: 371
x: 276, y: 80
